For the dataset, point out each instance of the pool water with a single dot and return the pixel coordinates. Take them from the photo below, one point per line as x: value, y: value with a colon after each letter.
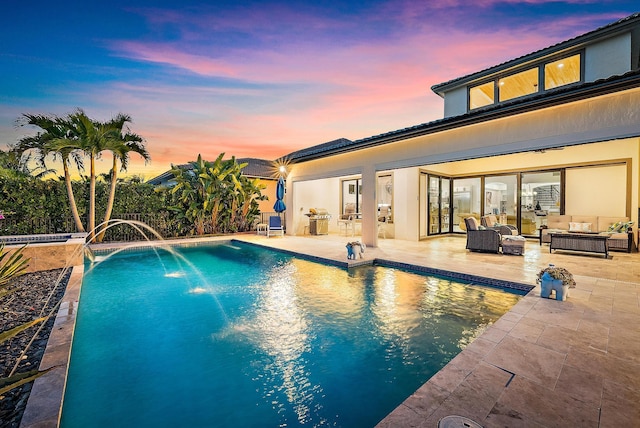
x: 260, y: 339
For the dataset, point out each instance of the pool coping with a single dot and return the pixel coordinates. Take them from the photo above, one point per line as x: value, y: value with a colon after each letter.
x: 45, y: 400
x: 44, y: 407
x: 516, y: 287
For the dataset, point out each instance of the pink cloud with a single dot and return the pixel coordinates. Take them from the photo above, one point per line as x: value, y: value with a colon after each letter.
x: 169, y: 54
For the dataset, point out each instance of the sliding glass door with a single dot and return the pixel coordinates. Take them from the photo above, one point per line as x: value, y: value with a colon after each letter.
x: 466, y: 201
x: 541, y: 195
x: 501, y: 198
x: 351, y: 196
x: 435, y: 204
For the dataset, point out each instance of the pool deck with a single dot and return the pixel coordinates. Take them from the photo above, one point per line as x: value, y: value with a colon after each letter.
x: 544, y: 363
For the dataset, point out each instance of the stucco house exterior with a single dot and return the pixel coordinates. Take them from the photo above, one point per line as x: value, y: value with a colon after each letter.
x: 554, y: 131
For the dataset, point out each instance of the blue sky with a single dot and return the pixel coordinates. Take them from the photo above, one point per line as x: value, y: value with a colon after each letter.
x: 262, y: 79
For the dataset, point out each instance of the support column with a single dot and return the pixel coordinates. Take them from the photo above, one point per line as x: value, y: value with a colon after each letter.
x: 369, y: 207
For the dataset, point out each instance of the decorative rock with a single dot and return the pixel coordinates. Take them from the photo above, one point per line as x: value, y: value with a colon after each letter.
x: 28, y: 294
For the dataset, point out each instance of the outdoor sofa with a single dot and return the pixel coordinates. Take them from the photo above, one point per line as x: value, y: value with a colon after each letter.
x: 617, y: 228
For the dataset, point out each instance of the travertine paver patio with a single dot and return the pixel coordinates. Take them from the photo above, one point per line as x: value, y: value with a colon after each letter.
x: 543, y: 364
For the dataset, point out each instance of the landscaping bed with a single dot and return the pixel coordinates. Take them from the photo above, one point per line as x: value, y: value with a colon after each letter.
x: 31, y: 296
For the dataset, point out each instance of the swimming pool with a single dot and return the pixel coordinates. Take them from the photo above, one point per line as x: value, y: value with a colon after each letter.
x: 261, y: 338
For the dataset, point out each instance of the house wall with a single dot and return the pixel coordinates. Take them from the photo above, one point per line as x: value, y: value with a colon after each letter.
x: 597, y: 191
x: 406, y: 204
x: 270, y: 191
x: 455, y: 102
x: 607, y: 58
x: 605, y: 118
x: 315, y: 194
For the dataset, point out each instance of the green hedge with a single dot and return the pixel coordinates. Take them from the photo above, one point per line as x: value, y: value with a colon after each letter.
x: 32, y: 206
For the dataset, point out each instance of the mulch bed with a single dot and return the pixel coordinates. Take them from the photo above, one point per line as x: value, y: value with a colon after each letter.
x: 30, y: 296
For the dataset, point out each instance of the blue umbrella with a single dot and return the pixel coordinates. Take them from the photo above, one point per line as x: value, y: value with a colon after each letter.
x: 279, y: 206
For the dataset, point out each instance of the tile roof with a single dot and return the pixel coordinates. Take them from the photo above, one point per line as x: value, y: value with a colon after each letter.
x: 258, y: 168
x: 320, y: 148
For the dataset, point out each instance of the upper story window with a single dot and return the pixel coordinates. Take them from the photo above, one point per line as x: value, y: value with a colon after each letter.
x: 562, y: 72
x: 481, y: 95
x: 518, y: 85
x: 550, y: 75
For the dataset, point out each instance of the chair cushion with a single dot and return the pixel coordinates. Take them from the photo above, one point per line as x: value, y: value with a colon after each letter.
x: 558, y: 221
x: 489, y: 220
x: 472, y: 223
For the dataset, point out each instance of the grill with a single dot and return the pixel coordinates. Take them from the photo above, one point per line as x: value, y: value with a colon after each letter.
x: 318, y: 221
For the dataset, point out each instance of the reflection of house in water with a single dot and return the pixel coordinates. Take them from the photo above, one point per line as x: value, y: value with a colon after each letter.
x: 558, y: 128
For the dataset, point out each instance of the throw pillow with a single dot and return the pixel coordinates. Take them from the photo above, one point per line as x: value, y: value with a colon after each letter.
x: 575, y: 227
x: 614, y: 227
x: 586, y: 227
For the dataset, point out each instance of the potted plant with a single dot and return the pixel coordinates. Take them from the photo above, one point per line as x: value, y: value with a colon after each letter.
x: 555, y: 278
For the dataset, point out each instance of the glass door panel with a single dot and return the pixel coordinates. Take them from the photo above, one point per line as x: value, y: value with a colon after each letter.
x: 351, y: 196
x: 540, y: 196
x: 434, y: 205
x: 444, y: 205
x: 424, y: 206
x: 385, y: 198
x: 501, y: 198
x: 466, y: 201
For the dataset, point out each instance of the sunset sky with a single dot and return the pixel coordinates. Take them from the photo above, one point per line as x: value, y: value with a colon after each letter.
x: 264, y: 78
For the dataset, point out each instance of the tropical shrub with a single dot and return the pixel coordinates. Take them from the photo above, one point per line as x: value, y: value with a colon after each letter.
x: 14, y: 266
x: 214, y: 197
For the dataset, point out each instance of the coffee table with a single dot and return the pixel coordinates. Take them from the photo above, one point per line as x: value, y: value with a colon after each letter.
x: 589, y: 242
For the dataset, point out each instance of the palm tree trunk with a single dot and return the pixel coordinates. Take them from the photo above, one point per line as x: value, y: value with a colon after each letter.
x: 112, y: 196
x: 72, y: 199
x: 92, y: 199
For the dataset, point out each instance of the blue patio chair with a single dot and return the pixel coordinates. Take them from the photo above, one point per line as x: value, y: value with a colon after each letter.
x: 275, y: 226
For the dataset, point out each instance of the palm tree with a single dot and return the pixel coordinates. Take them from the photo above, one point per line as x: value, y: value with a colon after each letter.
x: 121, y: 144
x: 56, y: 134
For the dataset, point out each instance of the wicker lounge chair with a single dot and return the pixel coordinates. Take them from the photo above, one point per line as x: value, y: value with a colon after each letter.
x: 491, y: 222
x: 487, y: 240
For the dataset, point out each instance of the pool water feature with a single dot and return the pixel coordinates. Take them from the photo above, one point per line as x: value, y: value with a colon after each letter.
x: 260, y: 338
